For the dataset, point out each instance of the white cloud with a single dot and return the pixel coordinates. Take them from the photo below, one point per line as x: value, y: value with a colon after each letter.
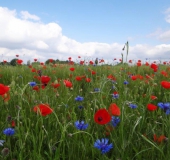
x: 33, y: 39
x: 26, y: 15
x: 167, y: 17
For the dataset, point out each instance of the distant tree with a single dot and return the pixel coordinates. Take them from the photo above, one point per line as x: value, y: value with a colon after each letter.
x: 13, y: 62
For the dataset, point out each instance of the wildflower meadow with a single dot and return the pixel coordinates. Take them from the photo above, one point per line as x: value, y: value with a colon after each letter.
x: 85, y: 111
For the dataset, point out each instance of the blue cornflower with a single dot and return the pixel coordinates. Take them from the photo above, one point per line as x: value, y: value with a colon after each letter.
x: 103, y: 145
x: 80, y: 125
x: 165, y: 107
x: 125, y: 82
x: 80, y: 107
x: 115, y: 121
x: 115, y: 96
x: 32, y: 84
x: 97, y: 90
x: 78, y: 98
x: 9, y: 131
x: 133, y: 106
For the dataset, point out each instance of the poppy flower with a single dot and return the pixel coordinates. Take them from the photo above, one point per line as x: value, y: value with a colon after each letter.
x: 153, y: 97
x: 146, y: 64
x: 55, y: 85
x: 6, y: 97
x: 102, y: 117
x: 79, y: 57
x: 159, y: 139
x: 154, y: 67
x: 19, y: 61
x: 13, y: 123
x: 33, y: 70
x: 88, y: 80
x: 130, y: 61
x: 138, y: 64
x: 51, y: 60
x: 44, y: 109
x: 78, y: 78
x: 44, y: 79
x: 151, y: 107
x: 36, y: 88
x: 72, y: 69
x: 4, y: 61
x: 17, y: 55
x: 67, y: 83
x: 35, y: 60
x: 3, y: 89
x: 165, y: 84
x: 134, y: 78
x: 114, y: 110
x: 81, y: 62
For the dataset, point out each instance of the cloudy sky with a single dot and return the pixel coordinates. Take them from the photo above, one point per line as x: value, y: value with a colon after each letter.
x: 60, y: 29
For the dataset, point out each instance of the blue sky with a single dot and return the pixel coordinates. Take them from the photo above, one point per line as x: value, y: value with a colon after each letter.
x: 141, y: 22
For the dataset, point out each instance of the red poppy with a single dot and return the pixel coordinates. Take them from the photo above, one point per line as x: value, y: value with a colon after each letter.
x: 134, y: 78
x: 154, y: 67
x: 67, y: 83
x: 44, y: 79
x: 44, y: 109
x: 153, y: 97
x: 79, y: 57
x: 102, y: 116
x: 151, y: 107
x: 33, y: 70
x: 111, y: 77
x: 159, y: 139
x: 165, y: 84
x: 51, y: 60
x: 114, y: 59
x: 81, y: 62
x: 55, y: 85
x: 19, y: 61
x: 114, y: 110
x: 93, y: 72
x: 35, y: 60
x: 6, y: 97
x: 130, y: 61
x: 91, y: 62
x: 17, y: 55
x: 147, y: 64
x: 3, y: 89
x: 36, y: 88
x: 138, y: 64
x: 41, y: 63
x: 13, y: 123
x: 78, y: 78
x: 69, y: 58
x: 72, y: 69
x: 4, y: 61
x: 88, y: 80
x: 164, y: 62
x: 165, y: 74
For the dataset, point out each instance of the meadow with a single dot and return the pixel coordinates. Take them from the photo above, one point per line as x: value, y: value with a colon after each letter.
x: 85, y: 112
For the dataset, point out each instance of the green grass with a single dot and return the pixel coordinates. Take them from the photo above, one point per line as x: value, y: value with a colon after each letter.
x: 54, y: 137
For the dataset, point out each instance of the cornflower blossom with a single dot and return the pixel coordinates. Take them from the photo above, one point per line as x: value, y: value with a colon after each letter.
x: 32, y: 84
x: 115, y: 121
x: 80, y: 125
x: 115, y: 95
x: 133, y: 106
x: 103, y: 145
x: 79, y: 99
x: 165, y: 106
x: 97, y: 90
x: 9, y: 131
x: 125, y: 82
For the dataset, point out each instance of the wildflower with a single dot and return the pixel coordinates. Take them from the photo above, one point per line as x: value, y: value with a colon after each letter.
x: 88, y: 80
x: 133, y: 78
x: 72, y: 69
x: 9, y: 131
x: 133, y: 106
x: 2, y: 142
x: 3, y: 89
x: 153, y: 97
x: 165, y: 107
x: 114, y: 110
x: 19, y: 61
x: 103, y: 145
x: 115, y: 95
x: 78, y: 78
x: 32, y: 84
x: 79, y: 99
x: 102, y: 116
x: 115, y: 121
x: 80, y: 107
x: 55, y: 85
x: 67, y: 83
x: 159, y: 139
x: 151, y: 107
x: 125, y: 82
x: 44, y: 79
x: 44, y: 109
x: 80, y: 125
x: 165, y: 84
x: 97, y: 90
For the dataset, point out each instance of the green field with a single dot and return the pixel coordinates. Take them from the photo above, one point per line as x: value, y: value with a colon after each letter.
x: 140, y: 93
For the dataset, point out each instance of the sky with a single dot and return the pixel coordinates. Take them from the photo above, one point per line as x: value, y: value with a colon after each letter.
x: 59, y: 29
